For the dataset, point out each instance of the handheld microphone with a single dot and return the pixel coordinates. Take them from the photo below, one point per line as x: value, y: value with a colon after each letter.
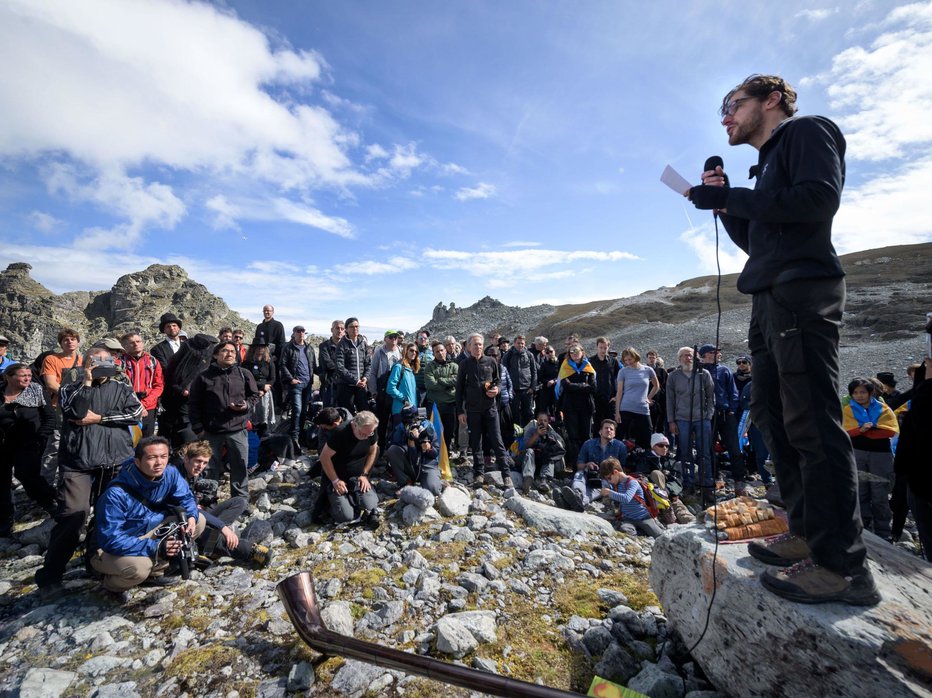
x: 713, y: 162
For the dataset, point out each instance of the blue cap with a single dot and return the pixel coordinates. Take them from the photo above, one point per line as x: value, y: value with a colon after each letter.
x: 706, y: 348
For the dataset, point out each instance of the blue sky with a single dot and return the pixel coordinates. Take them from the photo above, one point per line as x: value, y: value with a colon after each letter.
x: 374, y: 158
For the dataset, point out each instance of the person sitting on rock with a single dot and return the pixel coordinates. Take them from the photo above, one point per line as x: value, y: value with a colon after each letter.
x: 659, y: 468
x: 138, y: 501
x: 347, y: 459
x: 587, y: 485
x: 414, y: 453
x: 219, y: 539
x: 626, y: 492
x: 543, y: 455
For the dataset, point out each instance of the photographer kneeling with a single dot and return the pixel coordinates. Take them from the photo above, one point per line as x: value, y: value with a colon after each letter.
x: 219, y: 538
x: 414, y: 453
x: 137, y: 502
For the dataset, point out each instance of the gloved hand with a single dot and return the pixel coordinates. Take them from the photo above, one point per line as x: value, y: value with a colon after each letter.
x: 706, y: 197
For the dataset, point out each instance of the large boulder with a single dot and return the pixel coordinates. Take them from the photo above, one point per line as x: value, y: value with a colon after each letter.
x: 795, y: 649
x: 562, y: 521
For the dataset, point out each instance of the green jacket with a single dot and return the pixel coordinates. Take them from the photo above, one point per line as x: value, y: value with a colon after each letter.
x: 440, y: 381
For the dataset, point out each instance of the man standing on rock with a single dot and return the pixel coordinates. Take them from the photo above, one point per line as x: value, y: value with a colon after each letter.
x: 328, y: 364
x: 798, y: 289
x: 219, y: 404
x: 296, y: 369
x: 477, y: 386
x: 170, y: 326
x: 145, y: 375
x: 352, y: 366
x: 96, y: 441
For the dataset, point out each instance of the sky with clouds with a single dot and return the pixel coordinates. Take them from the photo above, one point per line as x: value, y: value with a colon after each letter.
x: 373, y: 158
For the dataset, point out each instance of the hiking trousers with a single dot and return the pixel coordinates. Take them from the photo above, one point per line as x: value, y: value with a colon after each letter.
x: 793, y: 339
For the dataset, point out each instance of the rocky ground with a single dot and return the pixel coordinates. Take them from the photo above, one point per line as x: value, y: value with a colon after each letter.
x: 488, y: 578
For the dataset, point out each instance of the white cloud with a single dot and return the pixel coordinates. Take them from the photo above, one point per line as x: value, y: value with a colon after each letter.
x: 890, y: 209
x: 375, y: 152
x: 480, y: 191
x: 43, y: 221
x: 701, y: 239
x: 503, y: 268
x: 307, y: 215
x: 372, y: 267
x: 142, y: 204
x: 816, y: 15
x: 521, y: 243
x: 883, y: 107
x: 452, y: 168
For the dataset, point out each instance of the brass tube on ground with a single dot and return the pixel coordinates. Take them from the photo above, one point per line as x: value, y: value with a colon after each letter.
x: 300, y: 601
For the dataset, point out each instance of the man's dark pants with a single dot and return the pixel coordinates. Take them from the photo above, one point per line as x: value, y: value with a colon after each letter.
x: 77, y: 491
x: 793, y: 339
x: 484, y: 427
x: 353, y: 398
x: 522, y: 406
x: 725, y: 429
x: 604, y: 409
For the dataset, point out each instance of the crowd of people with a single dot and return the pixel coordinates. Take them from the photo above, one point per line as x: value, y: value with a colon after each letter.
x: 138, y: 436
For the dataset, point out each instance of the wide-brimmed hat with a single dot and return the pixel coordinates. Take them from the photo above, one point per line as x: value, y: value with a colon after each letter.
x: 887, y: 378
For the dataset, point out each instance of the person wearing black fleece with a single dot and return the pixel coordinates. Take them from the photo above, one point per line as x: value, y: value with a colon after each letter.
x: 784, y: 224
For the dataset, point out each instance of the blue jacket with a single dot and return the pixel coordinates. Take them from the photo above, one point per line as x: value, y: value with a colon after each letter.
x: 592, y: 451
x: 402, y: 387
x: 726, y: 392
x: 122, y: 520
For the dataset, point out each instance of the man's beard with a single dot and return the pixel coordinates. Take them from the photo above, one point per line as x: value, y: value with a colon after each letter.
x: 744, y: 132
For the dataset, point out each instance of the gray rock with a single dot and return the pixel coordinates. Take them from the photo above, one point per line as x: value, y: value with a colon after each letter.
x: 331, y: 588
x: 490, y: 571
x: 301, y: 677
x: 263, y: 503
x: 484, y: 664
x: 454, y: 638
x: 428, y: 586
x: 127, y: 689
x: 519, y: 587
x: 480, y: 623
x: 418, y: 496
x: 476, y: 522
x: 97, y: 666
x: 472, y: 582
x: 656, y: 683
x: 272, y: 688
x: 548, y: 559
x: 414, y: 559
x: 338, y: 617
x: 258, y: 531
x: 597, y: 639
x: 106, y: 625
x: 413, y: 514
x: 612, y: 597
x: 355, y: 676
x: 453, y: 501
x: 388, y: 613
x: 562, y: 521
x: 617, y: 664
x: 45, y: 683
x: 578, y: 624
x: 818, y: 637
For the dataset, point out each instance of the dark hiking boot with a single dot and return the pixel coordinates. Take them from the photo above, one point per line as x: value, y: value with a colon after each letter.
x: 508, y: 482
x: 558, y: 501
x: 261, y: 555
x: 526, y: 483
x: 807, y: 582
x: 782, y: 551
x: 573, y: 498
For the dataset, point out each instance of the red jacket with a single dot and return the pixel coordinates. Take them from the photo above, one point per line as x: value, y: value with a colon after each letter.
x: 145, y: 376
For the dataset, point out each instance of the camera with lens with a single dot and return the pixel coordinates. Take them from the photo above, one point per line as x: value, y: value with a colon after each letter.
x: 494, y: 383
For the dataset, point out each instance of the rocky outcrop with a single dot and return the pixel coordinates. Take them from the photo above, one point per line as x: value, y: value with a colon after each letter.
x: 486, y: 315
x: 31, y: 315
x: 794, y: 649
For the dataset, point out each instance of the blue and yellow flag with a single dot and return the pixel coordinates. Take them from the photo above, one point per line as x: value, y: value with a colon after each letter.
x: 445, y: 472
x: 568, y: 368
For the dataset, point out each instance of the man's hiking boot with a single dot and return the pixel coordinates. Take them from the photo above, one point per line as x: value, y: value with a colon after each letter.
x: 782, y: 551
x: 478, y: 479
x: 526, y: 483
x: 807, y: 582
x: 573, y: 498
x: 558, y: 501
x: 508, y: 482
x: 261, y: 555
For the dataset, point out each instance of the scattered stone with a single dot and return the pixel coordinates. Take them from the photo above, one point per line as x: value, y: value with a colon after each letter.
x: 413, y: 514
x: 484, y: 664
x: 562, y: 521
x: 454, y: 501
x: 480, y: 623
x: 127, y: 689
x: 654, y: 682
x: 597, y: 639
x: 338, y: 617
x: 617, y: 664
x: 612, y: 597
x: 45, y: 683
x: 472, y: 582
x: 301, y: 677
x: 548, y: 559
x: 418, y: 496
x: 258, y: 531
x: 454, y: 638
x: 355, y: 676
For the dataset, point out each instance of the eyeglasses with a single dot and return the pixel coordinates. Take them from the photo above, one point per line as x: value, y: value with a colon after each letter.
x: 663, y: 446
x: 732, y: 107
x: 575, y: 351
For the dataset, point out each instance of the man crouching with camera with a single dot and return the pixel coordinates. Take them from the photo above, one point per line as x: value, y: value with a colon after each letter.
x: 414, y: 453
x: 139, y: 501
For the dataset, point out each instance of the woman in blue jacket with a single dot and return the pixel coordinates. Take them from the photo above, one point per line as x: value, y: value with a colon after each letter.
x: 402, y: 386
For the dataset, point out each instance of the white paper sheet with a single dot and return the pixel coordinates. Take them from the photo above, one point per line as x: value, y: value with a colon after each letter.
x: 675, y: 181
